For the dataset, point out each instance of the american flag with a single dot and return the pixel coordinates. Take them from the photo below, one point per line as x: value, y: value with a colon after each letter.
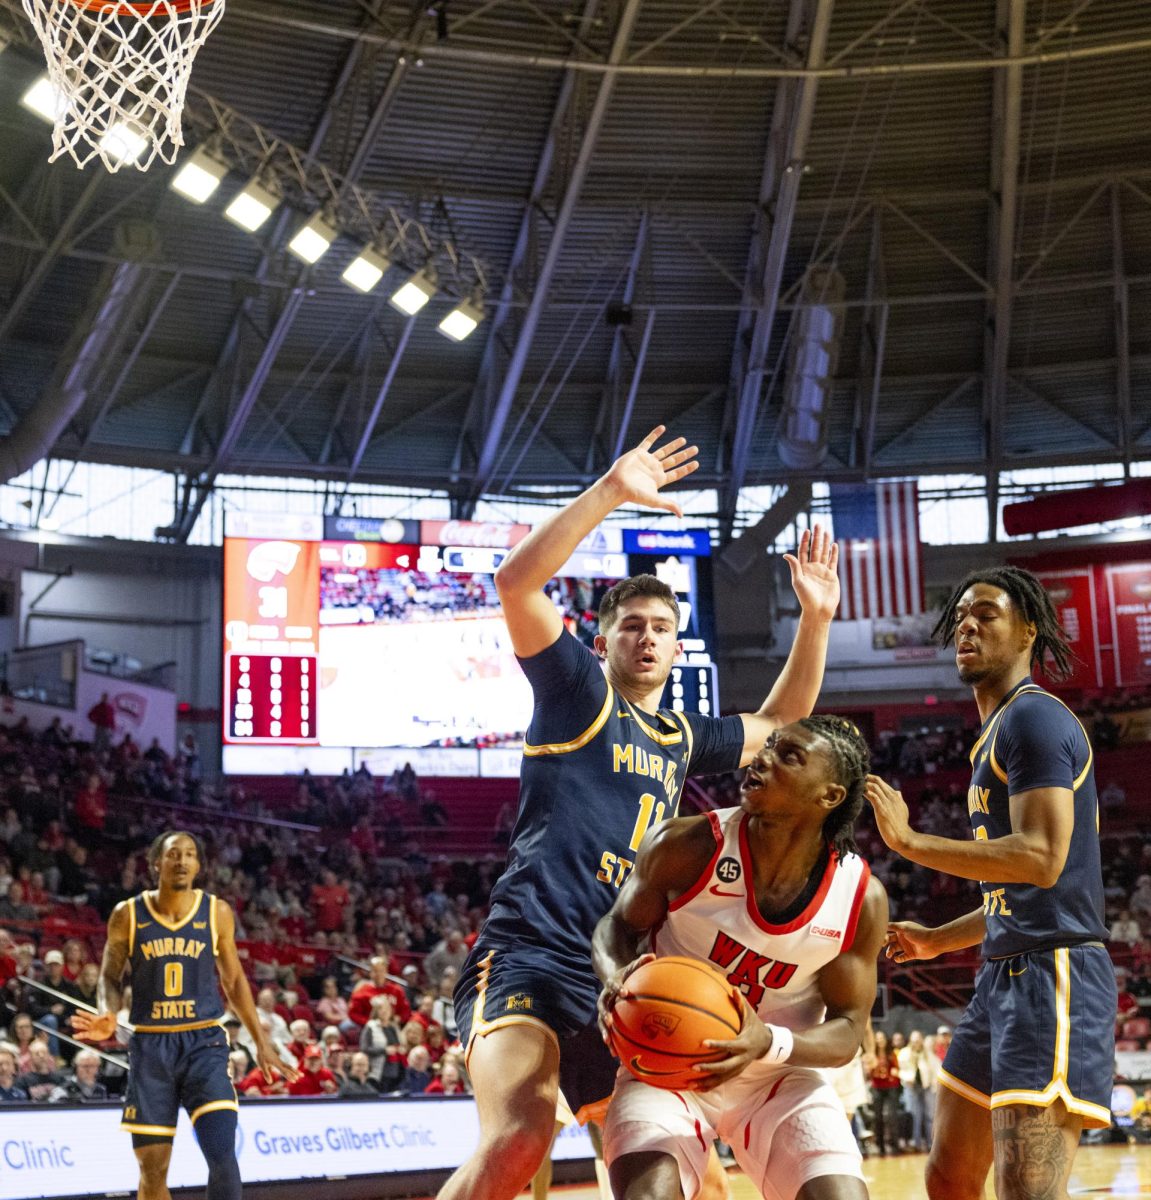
x: 880, y: 563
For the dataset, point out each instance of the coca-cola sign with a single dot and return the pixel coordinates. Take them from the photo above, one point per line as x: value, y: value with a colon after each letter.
x: 472, y: 533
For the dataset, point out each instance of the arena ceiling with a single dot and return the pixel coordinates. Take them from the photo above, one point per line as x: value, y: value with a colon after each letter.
x: 977, y: 171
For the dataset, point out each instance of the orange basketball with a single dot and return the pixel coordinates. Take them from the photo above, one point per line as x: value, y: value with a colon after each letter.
x: 666, y: 1011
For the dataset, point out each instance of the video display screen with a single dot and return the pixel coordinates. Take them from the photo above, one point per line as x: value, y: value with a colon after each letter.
x: 346, y: 632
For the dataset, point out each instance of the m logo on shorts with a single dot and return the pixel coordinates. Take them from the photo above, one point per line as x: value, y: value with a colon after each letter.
x: 520, y: 1002
x: 728, y: 869
x: 659, y: 1022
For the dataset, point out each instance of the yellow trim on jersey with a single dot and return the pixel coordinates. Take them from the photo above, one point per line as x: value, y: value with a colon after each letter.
x: 984, y: 736
x: 213, y: 926
x: 190, y: 1027
x: 131, y: 927
x: 1058, y: 1088
x: 215, y: 1106
x: 682, y: 719
x: 578, y: 743
x: 1096, y: 1114
x: 154, y: 1130
x: 179, y: 924
x: 1035, y: 690
x: 964, y: 1089
x: 660, y: 739
x: 481, y: 1027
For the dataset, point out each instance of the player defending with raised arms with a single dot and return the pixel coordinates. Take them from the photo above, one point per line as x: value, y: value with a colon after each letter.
x: 1030, y: 1064
x: 602, y: 763
x: 775, y: 896
x: 181, y: 945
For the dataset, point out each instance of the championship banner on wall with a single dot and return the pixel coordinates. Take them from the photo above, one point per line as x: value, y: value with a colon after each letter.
x: 1129, y: 589
x: 1073, y: 594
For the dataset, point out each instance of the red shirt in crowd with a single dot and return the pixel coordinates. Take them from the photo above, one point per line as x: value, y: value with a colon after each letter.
x: 328, y: 903
x: 436, y: 1088
x: 254, y: 1082
x: 92, y: 807
x: 311, y: 1083
x: 360, y: 1004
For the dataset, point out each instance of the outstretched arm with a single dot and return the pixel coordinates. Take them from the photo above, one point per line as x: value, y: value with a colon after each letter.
x: 847, y: 984
x: 239, y: 996
x: 99, y: 1027
x: 907, y: 940
x: 1033, y: 852
x: 638, y: 477
x: 816, y: 582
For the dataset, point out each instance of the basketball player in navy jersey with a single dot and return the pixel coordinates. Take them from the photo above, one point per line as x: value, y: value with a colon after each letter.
x: 1030, y: 1064
x: 180, y: 943
x: 602, y: 763
x: 775, y: 896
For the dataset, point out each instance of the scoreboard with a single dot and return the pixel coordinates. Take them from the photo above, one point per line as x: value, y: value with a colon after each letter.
x: 350, y: 634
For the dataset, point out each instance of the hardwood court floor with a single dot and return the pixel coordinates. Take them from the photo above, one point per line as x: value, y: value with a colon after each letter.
x: 1099, y: 1171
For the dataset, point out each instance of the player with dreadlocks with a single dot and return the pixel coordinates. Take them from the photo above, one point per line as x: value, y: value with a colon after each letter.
x: 773, y: 894
x: 1030, y: 1064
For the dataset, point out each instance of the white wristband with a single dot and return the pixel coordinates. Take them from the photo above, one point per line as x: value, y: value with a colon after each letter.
x: 782, y: 1043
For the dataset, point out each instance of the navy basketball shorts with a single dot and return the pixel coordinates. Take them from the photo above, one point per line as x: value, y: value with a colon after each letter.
x: 1040, y: 1028
x: 170, y: 1071
x: 529, y: 985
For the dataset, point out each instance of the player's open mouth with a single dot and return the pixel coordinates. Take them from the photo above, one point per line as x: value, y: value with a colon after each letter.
x: 751, y: 781
x: 648, y: 660
x: 965, y: 650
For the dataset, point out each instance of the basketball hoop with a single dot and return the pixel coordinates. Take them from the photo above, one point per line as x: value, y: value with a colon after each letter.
x: 119, y: 73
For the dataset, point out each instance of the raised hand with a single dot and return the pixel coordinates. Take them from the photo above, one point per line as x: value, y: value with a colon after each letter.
x: 892, y: 817
x: 639, y: 475
x: 814, y: 574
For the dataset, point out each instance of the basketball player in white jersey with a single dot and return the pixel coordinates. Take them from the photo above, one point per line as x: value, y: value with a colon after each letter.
x: 774, y: 895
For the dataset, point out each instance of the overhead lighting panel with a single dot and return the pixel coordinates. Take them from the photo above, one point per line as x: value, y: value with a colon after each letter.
x: 313, y: 239
x: 124, y: 143
x: 413, y: 294
x: 365, y: 270
x: 45, y: 99
x: 252, y: 207
x: 461, y: 322
x: 199, y: 177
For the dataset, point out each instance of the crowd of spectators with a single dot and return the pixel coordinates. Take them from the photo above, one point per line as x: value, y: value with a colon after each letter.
x: 350, y: 926
x: 369, y: 595
x: 351, y: 934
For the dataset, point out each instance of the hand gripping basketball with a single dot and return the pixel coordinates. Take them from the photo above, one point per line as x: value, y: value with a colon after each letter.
x: 665, y: 1018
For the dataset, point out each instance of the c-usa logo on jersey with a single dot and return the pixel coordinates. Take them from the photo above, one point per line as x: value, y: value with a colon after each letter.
x: 729, y: 870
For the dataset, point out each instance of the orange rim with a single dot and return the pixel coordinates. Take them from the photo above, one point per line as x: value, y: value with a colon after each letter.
x: 141, y: 9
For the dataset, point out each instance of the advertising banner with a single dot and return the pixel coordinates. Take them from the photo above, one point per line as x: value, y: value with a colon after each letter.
x: 63, y: 1151
x: 1129, y: 589
x: 1073, y: 594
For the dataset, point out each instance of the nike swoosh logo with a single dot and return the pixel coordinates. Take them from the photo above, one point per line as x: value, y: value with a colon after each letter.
x: 715, y: 891
x: 623, y: 716
x: 638, y: 1069
x: 143, y: 924
x: 1013, y: 972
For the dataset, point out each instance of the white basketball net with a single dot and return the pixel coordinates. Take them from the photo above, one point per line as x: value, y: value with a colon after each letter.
x: 119, y: 74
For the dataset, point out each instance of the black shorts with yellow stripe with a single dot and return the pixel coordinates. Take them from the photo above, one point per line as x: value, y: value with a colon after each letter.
x: 1040, y: 1028
x: 170, y: 1071
x: 528, y: 985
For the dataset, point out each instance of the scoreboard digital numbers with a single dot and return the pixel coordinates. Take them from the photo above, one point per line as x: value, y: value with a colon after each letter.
x: 272, y: 698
